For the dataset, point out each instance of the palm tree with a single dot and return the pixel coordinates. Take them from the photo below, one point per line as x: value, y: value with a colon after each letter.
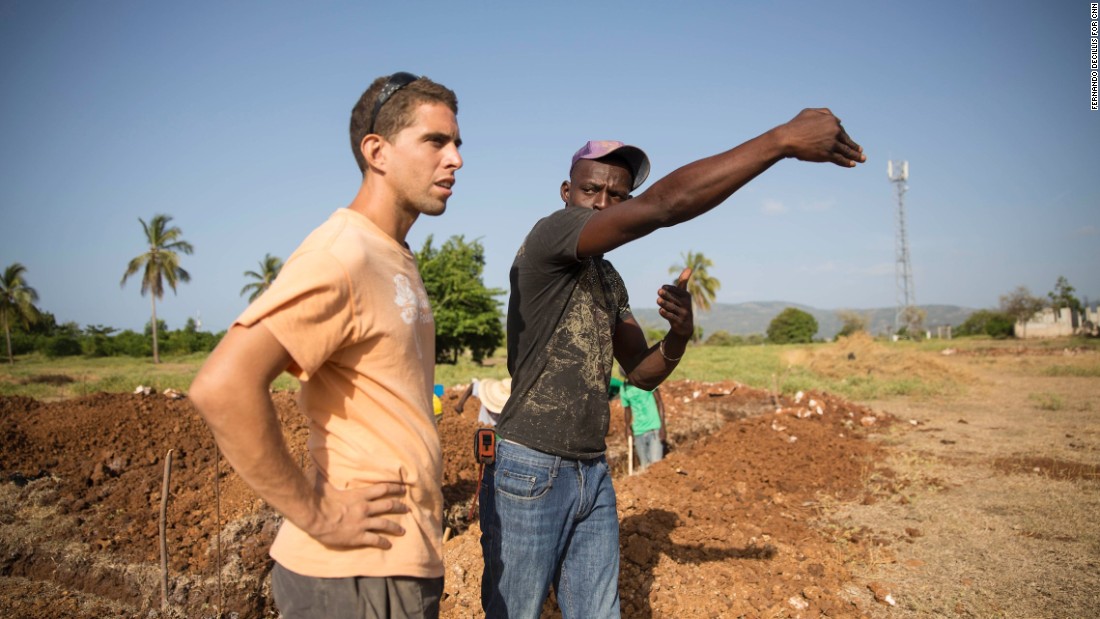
x: 161, y: 264
x: 269, y: 270
x: 701, y: 285
x: 17, y: 301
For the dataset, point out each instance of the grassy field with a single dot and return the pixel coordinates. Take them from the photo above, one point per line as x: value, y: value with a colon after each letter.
x: 850, y: 368
x: 51, y: 379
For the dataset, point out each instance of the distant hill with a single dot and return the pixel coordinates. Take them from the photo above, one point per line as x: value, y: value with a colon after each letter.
x: 754, y: 317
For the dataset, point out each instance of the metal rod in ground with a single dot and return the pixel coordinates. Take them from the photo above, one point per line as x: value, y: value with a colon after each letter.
x: 163, y: 531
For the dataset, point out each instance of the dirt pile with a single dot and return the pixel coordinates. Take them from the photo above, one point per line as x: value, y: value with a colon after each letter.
x: 725, y: 526
x: 859, y: 355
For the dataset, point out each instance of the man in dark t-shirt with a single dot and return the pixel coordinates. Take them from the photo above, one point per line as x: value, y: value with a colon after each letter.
x: 570, y: 309
x: 548, y: 513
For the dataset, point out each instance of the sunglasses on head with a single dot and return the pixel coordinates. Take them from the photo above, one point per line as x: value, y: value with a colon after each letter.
x: 396, y: 82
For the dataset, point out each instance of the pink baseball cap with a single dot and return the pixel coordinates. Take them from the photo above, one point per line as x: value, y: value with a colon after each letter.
x: 634, y: 156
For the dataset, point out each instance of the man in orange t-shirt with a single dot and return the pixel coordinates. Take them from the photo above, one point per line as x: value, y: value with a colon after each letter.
x: 349, y: 317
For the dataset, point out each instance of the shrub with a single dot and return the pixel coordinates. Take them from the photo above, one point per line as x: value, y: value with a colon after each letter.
x: 23, y: 343
x: 724, y: 338
x: 987, y: 322
x: 852, y: 322
x: 62, y: 346
x: 186, y: 342
x: 132, y: 344
x: 792, y: 326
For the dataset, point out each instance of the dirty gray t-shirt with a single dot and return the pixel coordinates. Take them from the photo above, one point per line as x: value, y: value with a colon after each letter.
x: 562, y: 313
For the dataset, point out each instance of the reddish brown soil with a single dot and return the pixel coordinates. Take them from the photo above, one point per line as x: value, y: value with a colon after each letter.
x: 723, y: 527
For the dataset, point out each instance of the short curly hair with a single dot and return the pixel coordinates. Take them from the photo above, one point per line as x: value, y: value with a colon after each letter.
x: 397, y: 113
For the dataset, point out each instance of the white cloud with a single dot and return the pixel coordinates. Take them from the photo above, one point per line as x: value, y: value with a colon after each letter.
x: 773, y: 207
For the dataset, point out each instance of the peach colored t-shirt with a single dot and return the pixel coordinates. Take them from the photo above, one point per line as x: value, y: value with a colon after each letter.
x: 350, y: 308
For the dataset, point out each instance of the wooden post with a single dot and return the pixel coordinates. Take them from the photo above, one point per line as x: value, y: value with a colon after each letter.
x: 163, y: 531
x: 629, y: 451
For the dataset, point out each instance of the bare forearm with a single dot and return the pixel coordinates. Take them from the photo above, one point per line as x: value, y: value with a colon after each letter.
x: 686, y: 193
x: 231, y: 391
x: 702, y: 185
x: 246, y: 428
x: 658, y: 362
x: 814, y: 135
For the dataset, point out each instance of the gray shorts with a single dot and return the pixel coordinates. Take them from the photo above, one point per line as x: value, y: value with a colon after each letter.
x: 355, y: 597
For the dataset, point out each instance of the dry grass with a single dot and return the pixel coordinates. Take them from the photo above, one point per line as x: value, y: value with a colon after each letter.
x: 997, y: 487
x: 859, y: 354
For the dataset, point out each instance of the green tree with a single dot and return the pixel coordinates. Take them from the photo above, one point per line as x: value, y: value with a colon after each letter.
x: 98, y: 342
x: 190, y: 340
x: 986, y: 322
x: 161, y: 327
x: 467, y: 316
x: 131, y: 344
x: 65, y: 341
x: 1062, y: 295
x: 160, y: 264
x: 28, y: 338
x: 702, y: 286
x: 17, y: 301
x: 45, y: 324
x: 269, y: 270
x: 792, y: 326
x: 1021, y: 306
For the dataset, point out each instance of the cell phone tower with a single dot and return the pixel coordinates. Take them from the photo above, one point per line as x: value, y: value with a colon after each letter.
x: 898, y: 173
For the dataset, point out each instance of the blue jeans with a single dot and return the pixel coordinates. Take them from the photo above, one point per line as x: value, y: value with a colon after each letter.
x: 649, y: 448
x: 548, y: 520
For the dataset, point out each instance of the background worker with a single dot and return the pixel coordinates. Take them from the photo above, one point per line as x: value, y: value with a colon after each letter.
x: 548, y: 513
x: 349, y: 317
x: 492, y: 394
x: 645, y: 418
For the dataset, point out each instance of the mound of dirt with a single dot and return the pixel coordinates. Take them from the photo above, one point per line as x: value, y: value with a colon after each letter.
x: 724, y: 526
x: 859, y: 355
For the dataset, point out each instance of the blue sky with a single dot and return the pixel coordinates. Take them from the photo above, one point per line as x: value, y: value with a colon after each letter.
x: 232, y: 117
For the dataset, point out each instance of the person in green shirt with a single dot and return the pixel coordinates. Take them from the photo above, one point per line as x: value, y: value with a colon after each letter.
x: 645, y: 416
